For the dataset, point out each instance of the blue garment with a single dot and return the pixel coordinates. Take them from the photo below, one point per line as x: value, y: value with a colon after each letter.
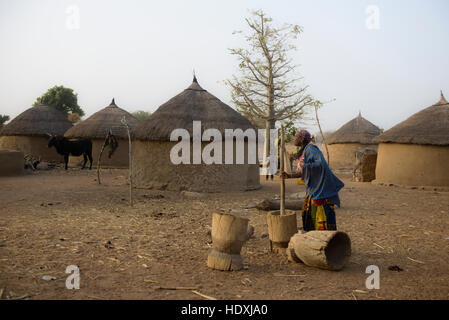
x: 321, y: 183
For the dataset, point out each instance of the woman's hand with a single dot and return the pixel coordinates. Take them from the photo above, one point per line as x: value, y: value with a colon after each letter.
x: 301, y: 163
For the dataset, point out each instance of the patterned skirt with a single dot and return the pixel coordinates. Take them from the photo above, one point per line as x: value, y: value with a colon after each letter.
x: 318, y: 215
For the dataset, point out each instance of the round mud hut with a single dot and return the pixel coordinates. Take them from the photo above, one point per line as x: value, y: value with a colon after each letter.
x: 153, y: 146
x: 415, y: 152
x: 343, y: 143
x: 96, y: 128
x: 28, y: 132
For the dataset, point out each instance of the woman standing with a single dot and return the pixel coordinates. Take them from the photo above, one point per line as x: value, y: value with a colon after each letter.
x: 322, y: 186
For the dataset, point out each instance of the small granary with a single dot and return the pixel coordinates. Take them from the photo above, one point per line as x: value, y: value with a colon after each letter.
x: 96, y: 128
x: 28, y: 132
x: 415, y: 152
x: 343, y: 143
x: 152, y: 165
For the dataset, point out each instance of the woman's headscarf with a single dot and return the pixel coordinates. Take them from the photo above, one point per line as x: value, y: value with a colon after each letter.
x: 302, y: 138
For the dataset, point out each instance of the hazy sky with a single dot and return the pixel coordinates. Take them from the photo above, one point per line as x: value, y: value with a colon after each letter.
x: 143, y: 52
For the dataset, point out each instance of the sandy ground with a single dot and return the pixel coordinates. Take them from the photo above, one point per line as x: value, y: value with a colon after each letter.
x: 50, y: 220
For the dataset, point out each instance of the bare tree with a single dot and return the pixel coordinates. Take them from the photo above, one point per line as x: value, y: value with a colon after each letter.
x: 267, y: 89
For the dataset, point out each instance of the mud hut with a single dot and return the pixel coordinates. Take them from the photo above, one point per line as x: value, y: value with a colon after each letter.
x: 415, y: 152
x: 96, y: 128
x: 28, y: 132
x: 152, y: 165
x: 343, y: 143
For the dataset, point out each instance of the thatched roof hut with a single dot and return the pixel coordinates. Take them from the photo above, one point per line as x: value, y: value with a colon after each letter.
x: 37, y: 121
x: 358, y: 130
x: 96, y: 128
x: 98, y: 124
x: 416, y: 151
x: 194, y: 103
x: 28, y: 132
x: 343, y: 143
x: 152, y: 166
x: 426, y: 127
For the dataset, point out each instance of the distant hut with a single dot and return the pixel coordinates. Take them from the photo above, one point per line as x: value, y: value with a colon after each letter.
x: 96, y: 128
x: 344, y: 142
x: 152, y: 166
x: 415, y: 152
x: 28, y: 132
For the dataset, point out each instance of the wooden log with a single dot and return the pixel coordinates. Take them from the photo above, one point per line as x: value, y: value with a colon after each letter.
x: 281, y: 228
x: 328, y: 250
x: 290, y: 204
x: 229, y: 233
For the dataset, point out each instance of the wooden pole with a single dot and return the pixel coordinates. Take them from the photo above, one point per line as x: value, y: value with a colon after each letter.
x: 99, y: 158
x: 130, y: 163
x: 281, y: 226
x: 282, y: 162
x: 130, y: 169
x: 322, y: 134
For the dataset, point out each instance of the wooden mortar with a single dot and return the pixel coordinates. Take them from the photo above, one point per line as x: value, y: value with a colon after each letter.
x: 229, y: 233
x: 281, y: 227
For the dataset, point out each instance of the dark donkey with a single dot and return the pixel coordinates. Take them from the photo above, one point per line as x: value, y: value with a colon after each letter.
x: 75, y: 148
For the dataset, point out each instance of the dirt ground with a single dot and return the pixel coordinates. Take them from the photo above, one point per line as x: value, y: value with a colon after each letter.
x: 50, y: 220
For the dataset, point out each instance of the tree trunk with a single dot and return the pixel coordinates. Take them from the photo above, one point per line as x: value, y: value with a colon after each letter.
x: 328, y: 250
x: 269, y: 124
x: 266, y: 153
x: 282, y: 194
x: 229, y: 233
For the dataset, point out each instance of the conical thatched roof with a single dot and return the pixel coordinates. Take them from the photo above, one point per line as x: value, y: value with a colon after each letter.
x: 428, y: 126
x: 98, y: 124
x: 192, y: 104
x: 358, y: 130
x: 37, y: 121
